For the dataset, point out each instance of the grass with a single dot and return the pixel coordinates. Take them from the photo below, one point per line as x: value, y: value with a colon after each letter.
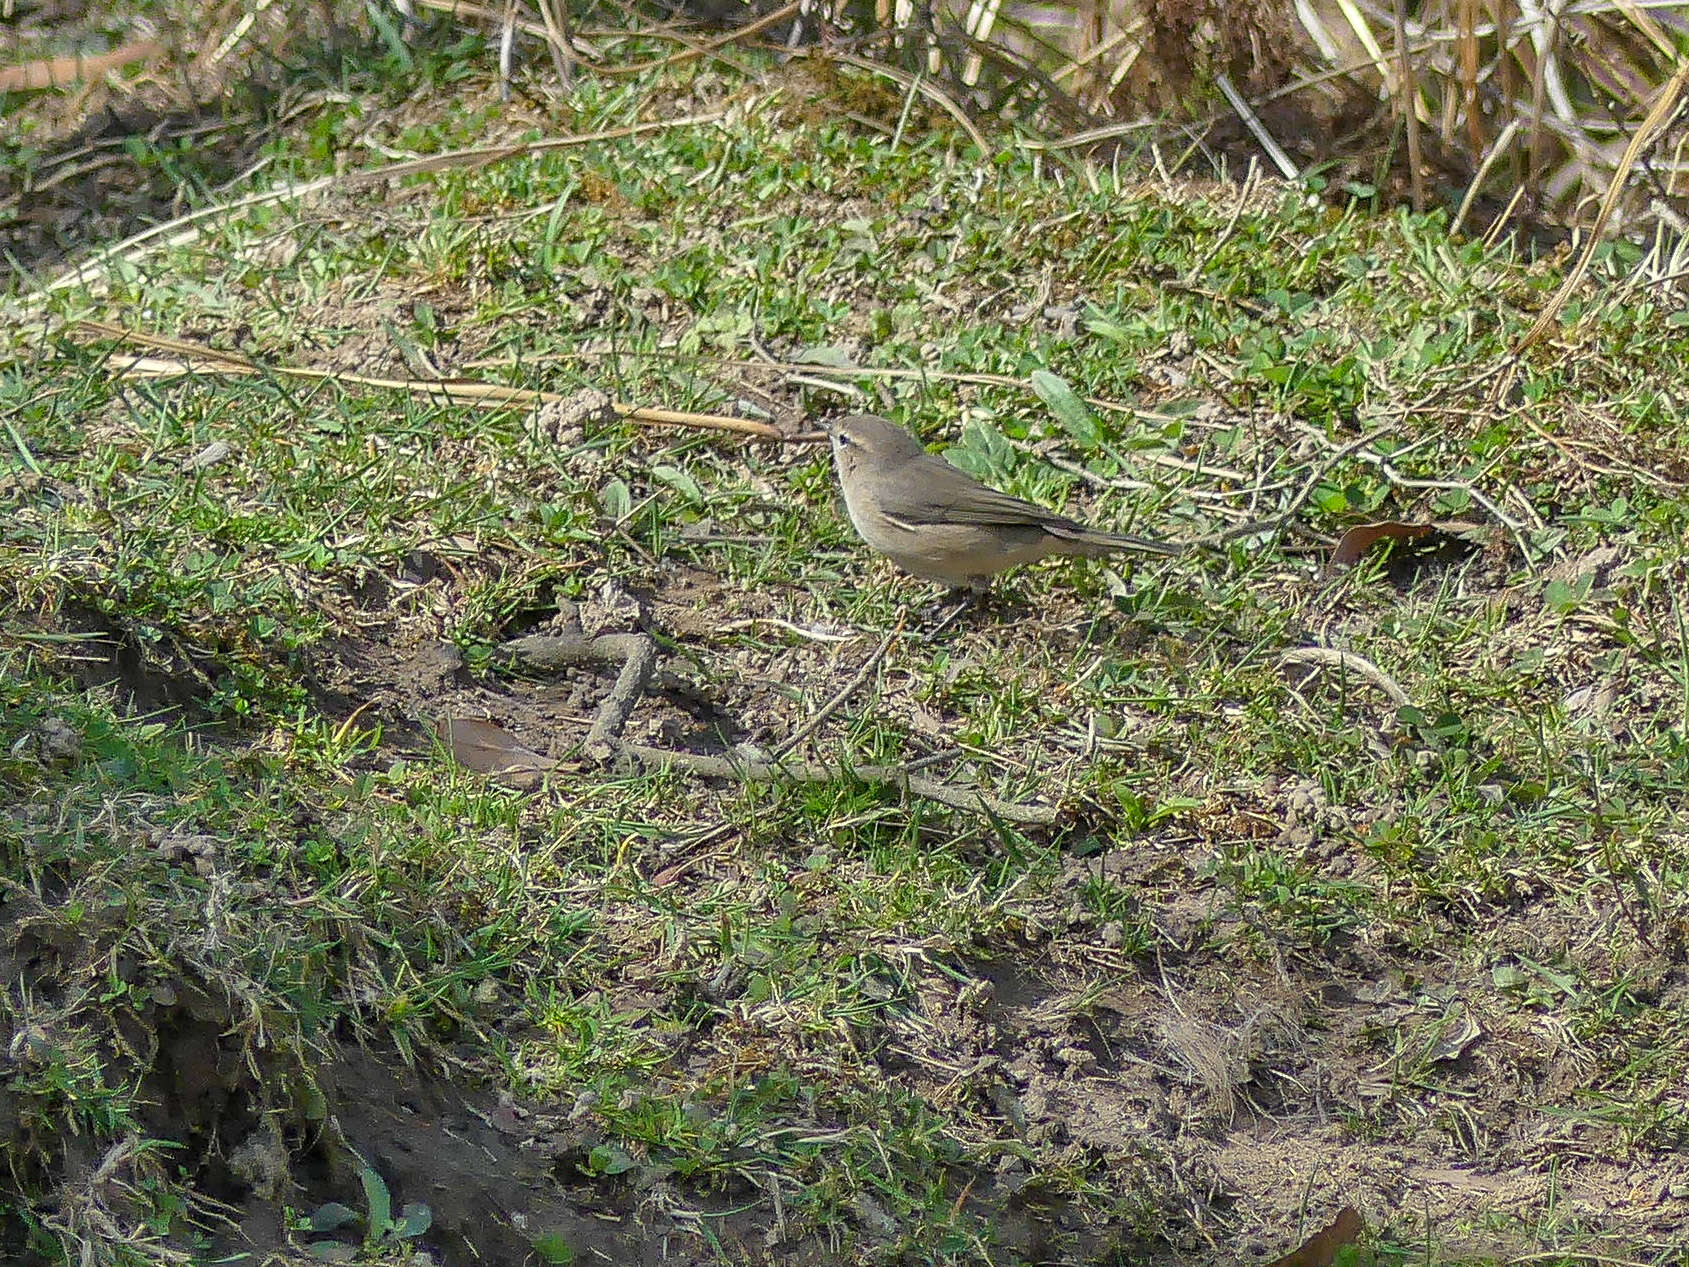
x: 1287, y: 932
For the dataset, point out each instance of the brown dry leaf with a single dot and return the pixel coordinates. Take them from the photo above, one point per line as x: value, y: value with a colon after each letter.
x: 1461, y: 1034
x: 1320, y: 1249
x: 488, y: 748
x: 1362, y: 537
x: 1597, y: 564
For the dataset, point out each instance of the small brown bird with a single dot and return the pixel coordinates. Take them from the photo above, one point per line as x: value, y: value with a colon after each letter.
x: 934, y: 520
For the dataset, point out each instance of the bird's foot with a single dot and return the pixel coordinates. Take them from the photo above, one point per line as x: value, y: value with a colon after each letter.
x: 956, y: 602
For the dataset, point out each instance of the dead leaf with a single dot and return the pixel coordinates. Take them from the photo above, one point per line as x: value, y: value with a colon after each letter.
x: 210, y: 455
x: 1461, y: 1035
x: 1362, y: 537
x: 1320, y: 1249
x: 926, y: 722
x: 488, y: 748
x: 1597, y: 564
x: 1586, y: 706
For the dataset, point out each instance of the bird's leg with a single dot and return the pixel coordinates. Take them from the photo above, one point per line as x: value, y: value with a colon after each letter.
x: 963, y: 597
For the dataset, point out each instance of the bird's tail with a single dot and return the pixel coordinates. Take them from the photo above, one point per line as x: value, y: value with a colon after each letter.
x: 1082, y: 540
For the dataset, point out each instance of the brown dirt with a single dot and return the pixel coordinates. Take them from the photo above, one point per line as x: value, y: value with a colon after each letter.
x: 1249, y: 1080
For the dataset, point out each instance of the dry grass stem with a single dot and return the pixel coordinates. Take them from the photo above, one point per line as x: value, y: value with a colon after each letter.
x: 189, y: 359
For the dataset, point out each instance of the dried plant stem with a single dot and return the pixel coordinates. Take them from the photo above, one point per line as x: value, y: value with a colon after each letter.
x: 734, y: 36
x: 190, y: 358
x: 712, y: 767
x: 845, y: 692
x: 919, y: 83
x: 1258, y: 130
x: 1665, y: 105
x: 556, y: 16
x: 56, y: 72
x: 1348, y: 661
x: 1503, y: 144
x: 636, y: 653
x: 1409, y: 100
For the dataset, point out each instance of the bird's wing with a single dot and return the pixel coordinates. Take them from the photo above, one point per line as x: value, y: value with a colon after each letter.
x: 929, y: 490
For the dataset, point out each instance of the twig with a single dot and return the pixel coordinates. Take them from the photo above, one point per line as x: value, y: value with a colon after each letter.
x: 712, y: 767
x: 636, y: 653
x: 1120, y: 483
x: 688, y: 857
x: 57, y: 72
x: 1252, y: 121
x: 1044, y: 452
x: 710, y: 422
x: 920, y: 83
x: 1460, y: 486
x: 1388, y: 470
x: 873, y: 371
x: 703, y: 50
x: 850, y: 688
x: 1240, y: 200
x: 507, y: 50
x: 173, y: 233
x: 527, y: 26
x: 556, y: 15
x: 1280, y: 521
x: 1496, y: 150
x: 192, y: 358
x: 810, y: 635
x: 1275, y: 525
x: 1408, y: 92
x: 1611, y: 464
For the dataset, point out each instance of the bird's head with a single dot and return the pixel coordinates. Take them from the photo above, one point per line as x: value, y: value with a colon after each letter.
x: 861, y: 440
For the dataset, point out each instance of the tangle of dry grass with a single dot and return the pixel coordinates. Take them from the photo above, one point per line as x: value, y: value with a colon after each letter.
x: 1524, y: 108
